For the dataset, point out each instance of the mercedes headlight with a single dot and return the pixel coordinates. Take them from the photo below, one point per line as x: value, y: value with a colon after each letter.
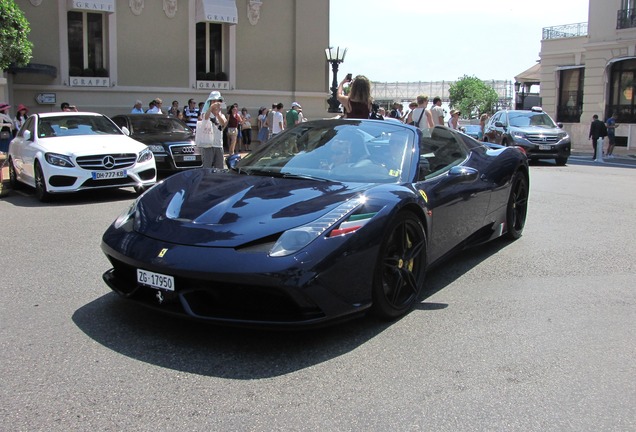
x: 144, y: 155
x: 58, y: 160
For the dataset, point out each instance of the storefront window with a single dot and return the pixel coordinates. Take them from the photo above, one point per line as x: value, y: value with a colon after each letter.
x: 570, y: 95
x: 622, y: 91
x: 209, y: 52
x: 86, y: 44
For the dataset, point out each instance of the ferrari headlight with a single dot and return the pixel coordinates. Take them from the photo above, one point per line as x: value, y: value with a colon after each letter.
x: 126, y: 215
x: 144, y: 155
x: 59, y: 160
x: 297, y: 238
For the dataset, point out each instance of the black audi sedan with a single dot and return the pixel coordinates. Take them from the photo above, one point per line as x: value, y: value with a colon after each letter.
x: 170, y: 139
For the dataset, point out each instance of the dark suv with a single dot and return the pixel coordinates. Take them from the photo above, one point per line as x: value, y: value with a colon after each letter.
x: 532, y: 130
x: 169, y: 139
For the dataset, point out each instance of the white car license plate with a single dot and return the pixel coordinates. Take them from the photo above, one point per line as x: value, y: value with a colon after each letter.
x: 189, y: 158
x: 545, y: 147
x: 155, y: 280
x: 105, y: 175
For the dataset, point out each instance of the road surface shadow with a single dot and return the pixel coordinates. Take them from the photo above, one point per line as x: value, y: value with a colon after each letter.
x: 236, y: 353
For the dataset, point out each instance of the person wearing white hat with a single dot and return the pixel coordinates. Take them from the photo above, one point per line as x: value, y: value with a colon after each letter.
x: 211, y: 125
x: 292, y: 117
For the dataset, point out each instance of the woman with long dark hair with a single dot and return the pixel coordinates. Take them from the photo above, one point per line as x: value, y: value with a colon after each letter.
x: 357, y: 104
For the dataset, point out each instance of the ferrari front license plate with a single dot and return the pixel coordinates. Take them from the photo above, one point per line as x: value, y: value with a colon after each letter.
x: 155, y: 280
x: 105, y: 175
x: 545, y: 147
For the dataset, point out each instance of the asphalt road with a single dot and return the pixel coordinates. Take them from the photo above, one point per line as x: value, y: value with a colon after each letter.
x: 535, y: 335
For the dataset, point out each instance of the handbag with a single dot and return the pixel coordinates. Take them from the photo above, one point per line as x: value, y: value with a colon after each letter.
x: 204, y: 136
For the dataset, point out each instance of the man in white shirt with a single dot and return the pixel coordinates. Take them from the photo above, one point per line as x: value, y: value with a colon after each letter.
x: 157, y: 108
x: 437, y: 112
x: 278, y: 121
x: 421, y: 116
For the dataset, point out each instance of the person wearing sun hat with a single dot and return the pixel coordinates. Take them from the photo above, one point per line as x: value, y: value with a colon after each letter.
x: 21, y: 116
x: 453, y: 121
x: 6, y: 127
x: 209, y: 137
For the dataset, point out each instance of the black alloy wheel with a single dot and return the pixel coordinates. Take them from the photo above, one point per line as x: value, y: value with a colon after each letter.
x: 517, y: 208
x: 40, y: 184
x: 401, y: 267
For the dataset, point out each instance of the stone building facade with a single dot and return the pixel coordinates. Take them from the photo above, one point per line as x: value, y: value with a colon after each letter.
x: 590, y: 68
x: 102, y: 55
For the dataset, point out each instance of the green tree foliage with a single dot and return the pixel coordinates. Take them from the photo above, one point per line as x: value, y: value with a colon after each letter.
x: 15, y: 48
x: 472, y: 97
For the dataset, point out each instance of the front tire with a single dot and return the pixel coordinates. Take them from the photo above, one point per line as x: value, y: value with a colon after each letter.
x: 13, y: 179
x: 517, y: 207
x: 40, y: 184
x: 561, y: 161
x: 401, y: 267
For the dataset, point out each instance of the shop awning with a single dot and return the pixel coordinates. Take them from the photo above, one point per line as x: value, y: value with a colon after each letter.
x: 107, y: 6
x: 217, y: 11
x: 530, y: 76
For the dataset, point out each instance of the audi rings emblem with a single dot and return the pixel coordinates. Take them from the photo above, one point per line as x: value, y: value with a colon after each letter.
x: 189, y: 150
x: 109, y: 162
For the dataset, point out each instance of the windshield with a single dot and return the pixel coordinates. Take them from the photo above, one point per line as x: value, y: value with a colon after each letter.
x: 145, y: 125
x: 76, y: 125
x: 525, y: 119
x: 356, y: 151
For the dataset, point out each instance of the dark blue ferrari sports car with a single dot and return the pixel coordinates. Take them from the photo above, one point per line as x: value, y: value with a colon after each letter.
x: 328, y: 220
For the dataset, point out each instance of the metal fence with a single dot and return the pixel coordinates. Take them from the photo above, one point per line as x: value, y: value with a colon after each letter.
x: 565, y: 31
x: 408, y: 91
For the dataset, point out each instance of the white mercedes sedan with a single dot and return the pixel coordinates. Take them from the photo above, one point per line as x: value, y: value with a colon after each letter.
x: 62, y: 152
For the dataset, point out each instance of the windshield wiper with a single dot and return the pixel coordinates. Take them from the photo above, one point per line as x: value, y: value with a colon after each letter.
x: 303, y: 177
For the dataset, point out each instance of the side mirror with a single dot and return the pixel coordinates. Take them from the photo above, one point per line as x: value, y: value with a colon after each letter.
x: 462, y: 174
x: 560, y: 125
x: 27, y: 135
x: 125, y: 130
x: 499, y: 124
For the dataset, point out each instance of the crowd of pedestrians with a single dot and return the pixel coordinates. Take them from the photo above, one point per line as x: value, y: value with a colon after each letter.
x: 234, y: 124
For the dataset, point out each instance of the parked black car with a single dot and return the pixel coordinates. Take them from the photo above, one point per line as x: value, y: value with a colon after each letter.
x: 330, y: 219
x: 169, y: 139
x: 532, y: 130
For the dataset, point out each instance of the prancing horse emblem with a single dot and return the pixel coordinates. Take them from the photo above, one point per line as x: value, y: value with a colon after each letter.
x: 159, y: 297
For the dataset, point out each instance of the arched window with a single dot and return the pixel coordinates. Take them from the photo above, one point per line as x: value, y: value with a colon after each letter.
x: 622, y: 91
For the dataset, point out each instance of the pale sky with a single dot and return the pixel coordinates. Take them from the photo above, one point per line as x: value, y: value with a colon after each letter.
x: 434, y: 40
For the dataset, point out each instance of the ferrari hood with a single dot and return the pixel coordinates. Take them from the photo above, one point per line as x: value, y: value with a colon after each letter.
x: 207, y: 208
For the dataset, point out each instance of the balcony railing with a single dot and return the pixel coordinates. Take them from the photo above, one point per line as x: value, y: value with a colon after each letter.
x: 565, y: 31
x: 626, y: 18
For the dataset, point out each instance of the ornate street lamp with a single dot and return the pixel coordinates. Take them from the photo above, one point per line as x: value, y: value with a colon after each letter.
x: 335, y: 56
